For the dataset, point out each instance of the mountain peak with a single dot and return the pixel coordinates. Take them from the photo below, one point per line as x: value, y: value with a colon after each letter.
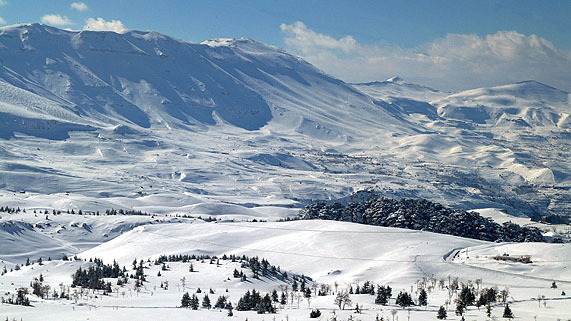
x: 29, y: 26
x: 247, y: 44
x: 216, y: 42
x: 395, y: 79
x: 537, y: 85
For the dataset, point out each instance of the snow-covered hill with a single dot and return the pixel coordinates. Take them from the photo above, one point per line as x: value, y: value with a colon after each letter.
x: 516, y: 135
x: 342, y: 253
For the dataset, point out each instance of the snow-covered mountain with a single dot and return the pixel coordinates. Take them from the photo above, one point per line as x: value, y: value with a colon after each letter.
x: 145, y: 79
x: 132, y: 119
x: 238, y: 130
x: 519, y: 133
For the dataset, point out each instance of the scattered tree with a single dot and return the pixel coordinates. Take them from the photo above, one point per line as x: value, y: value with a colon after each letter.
x: 441, y: 315
x: 508, y: 312
x: 315, y: 314
x: 185, y: 301
x: 422, y: 298
x: 206, y: 302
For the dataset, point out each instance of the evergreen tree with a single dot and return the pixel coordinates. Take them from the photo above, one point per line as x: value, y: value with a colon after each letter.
x: 185, y: 302
x: 422, y: 298
x: 206, y: 302
x: 508, y: 312
x: 383, y: 295
x: 265, y: 305
x: 283, y: 299
x: 460, y: 307
x: 315, y: 314
x: 307, y: 293
x: 194, y: 303
x: 244, y: 302
x: 255, y: 301
x: 404, y: 299
x: 21, y: 298
x: 220, y: 302
x: 441, y: 315
x: 381, y: 298
x: 467, y: 296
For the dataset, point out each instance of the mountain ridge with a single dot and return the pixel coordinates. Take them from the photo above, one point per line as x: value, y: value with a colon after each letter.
x: 226, y: 62
x: 199, y: 117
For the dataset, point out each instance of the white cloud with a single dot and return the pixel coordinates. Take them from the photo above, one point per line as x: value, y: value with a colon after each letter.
x: 100, y: 24
x: 2, y: 21
x: 457, y: 61
x: 79, y: 6
x: 305, y: 38
x: 56, y: 20
x: 3, y: 2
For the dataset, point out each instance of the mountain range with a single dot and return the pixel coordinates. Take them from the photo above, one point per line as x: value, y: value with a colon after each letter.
x: 140, y: 120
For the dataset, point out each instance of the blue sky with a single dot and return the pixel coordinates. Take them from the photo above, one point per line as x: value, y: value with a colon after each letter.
x: 405, y: 23
x: 373, y: 29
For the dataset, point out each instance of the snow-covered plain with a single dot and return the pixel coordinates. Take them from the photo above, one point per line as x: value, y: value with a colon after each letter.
x: 237, y: 130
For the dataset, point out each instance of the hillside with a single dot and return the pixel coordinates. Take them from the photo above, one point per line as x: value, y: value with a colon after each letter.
x: 329, y: 252
x: 515, y: 135
x: 99, y: 119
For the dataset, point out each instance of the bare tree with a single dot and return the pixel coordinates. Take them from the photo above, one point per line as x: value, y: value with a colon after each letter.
x: 504, y: 294
x: 342, y: 299
x: 394, y: 312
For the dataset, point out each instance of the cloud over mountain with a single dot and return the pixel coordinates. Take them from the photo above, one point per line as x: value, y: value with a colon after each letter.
x: 101, y: 24
x: 456, y: 61
x: 56, y: 20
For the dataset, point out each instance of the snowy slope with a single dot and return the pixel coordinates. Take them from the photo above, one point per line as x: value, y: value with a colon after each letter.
x: 28, y: 236
x: 104, y: 115
x: 136, y: 118
x: 148, y: 79
x: 396, y: 87
x: 516, y: 135
x: 327, y: 251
